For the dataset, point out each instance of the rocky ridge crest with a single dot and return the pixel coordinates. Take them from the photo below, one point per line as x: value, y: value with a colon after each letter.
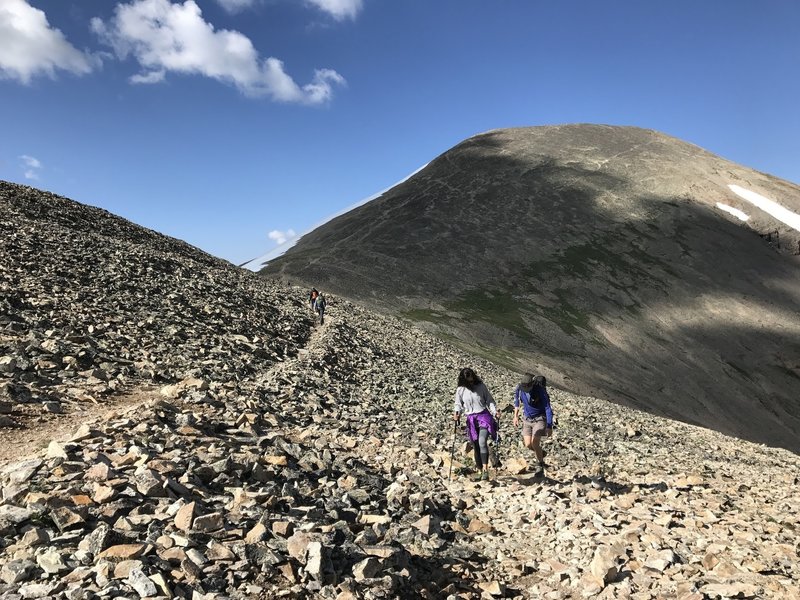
x: 282, y: 459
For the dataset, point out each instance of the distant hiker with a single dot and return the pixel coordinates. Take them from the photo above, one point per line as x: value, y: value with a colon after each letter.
x: 312, y: 296
x: 321, y: 303
x: 476, y: 403
x: 537, y: 415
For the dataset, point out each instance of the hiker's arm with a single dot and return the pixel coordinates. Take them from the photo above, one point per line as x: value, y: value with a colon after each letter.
x: 491, y: 404
x: 548, y: 410
x: 457, y: 407
x: 494, y: 410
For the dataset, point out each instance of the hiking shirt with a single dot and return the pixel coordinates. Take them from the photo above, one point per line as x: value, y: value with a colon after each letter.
x: 471, y: 402
x: 480, y: 409
x: 535, y: 404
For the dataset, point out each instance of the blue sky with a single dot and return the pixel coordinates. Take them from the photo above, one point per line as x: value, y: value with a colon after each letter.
x: 221, y: 122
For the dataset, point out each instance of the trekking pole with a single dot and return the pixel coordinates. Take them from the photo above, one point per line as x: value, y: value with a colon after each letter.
x: 452, y: 450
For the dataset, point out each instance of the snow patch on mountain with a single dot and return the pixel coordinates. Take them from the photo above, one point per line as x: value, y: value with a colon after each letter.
x: 784, y: 215
x: 742, y: 216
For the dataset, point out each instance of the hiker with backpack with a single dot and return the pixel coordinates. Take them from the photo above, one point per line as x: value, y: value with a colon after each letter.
x: 321, y: 304
x: 476, y: 403
x: 312, y: 296
x: 537, y: 415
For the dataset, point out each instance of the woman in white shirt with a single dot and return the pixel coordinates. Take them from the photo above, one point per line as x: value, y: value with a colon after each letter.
x: 476, y: 403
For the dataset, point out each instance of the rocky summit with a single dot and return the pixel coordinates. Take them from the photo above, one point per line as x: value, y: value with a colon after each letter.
x: 608, y: 256
x: 267, y: 456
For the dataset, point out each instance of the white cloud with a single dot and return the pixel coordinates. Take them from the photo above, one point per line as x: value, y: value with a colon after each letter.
x: 30, y: 161
x: 339, y: 9
x: 234, y: 6
x: 165, y: 37
x: 151, y: 77
x: 31, y: 165
x: 29, y: 46
x: 280, y: 237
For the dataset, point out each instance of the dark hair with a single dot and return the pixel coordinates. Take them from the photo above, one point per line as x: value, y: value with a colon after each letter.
x: 468, y: 373
x: 540, y: 380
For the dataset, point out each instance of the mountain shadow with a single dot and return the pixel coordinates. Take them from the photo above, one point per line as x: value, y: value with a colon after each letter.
x: 604, y: 257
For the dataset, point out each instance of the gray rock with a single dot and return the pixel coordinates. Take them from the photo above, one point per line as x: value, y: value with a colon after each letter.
x: 37, y: 590
x: 66, y: 519
x: 98, y: 540
x: 262, y: 555
x: 15, y: 571
x: 318, y: 562
x: 21, y: 471
x: 140, y: 582
x: 14, y: 514
x: 209, y: 522
x: 51, y: 562
x: 35, y: 536
x: 366, y: 569
x: 148, y: 483
x: 53, y: 407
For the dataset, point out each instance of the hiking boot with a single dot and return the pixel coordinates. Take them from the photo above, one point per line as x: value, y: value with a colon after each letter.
x: 539, y: 470
x: 485, y: 476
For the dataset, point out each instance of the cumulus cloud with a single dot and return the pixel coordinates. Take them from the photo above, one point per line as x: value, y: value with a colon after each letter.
x: 151, y: 77
x: 280, y: 237
x: 31, y: 165
x: 29, y: 46
x: 339, y: 9
x: 164, y: 37
x: 234, y: 6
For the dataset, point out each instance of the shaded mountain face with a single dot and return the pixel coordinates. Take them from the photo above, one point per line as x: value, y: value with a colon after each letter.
x: 607, y: 258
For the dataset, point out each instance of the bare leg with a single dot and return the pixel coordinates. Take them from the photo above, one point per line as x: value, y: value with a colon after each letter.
x: 534, y: 443
x: 536, y: 446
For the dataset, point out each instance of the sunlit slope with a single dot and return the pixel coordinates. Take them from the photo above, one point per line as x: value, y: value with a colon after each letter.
x: 607, y: 257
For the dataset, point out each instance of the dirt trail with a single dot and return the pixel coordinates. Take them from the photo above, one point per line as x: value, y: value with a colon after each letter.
x: 34, y: 436
x: 314, y: 343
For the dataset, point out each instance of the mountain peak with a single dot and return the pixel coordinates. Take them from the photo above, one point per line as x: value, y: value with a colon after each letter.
x: 634, y: 265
